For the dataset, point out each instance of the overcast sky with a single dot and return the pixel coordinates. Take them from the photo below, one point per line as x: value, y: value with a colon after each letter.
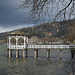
x: 12, y: 18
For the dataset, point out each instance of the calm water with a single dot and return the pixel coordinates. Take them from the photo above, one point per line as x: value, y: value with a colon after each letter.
x: 31, y: 66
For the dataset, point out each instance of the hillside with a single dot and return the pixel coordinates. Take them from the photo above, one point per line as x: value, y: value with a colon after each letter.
x: 63, y: 29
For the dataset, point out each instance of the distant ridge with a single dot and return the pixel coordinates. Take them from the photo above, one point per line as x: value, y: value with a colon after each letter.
x: 63, y: 29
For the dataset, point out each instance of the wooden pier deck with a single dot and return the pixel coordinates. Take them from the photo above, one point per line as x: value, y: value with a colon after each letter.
x: 39, y: 47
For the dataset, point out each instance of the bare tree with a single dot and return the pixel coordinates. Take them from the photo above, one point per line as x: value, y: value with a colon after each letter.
x: 56, y: 9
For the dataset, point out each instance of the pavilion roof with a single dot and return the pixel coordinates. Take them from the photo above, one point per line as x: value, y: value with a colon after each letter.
x: 17, y: 33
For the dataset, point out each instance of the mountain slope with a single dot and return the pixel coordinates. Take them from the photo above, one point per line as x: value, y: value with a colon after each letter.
x: 54, y: 29
x: 63, y: 29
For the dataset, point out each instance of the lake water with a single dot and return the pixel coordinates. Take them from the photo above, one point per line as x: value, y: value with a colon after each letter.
x: 31, y: 66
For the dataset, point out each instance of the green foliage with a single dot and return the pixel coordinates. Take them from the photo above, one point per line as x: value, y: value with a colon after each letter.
x: 71, y: 36
x: 2, y: 36
x: 61, y: 33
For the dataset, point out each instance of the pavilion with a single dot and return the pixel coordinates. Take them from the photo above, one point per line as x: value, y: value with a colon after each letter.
x: 17, y: 40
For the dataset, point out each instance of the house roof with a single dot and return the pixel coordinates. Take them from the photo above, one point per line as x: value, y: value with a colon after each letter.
x: 34, y: 37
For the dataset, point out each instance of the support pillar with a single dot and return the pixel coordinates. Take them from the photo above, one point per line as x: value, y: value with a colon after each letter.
x: 48, y: 53
x: 7, y: 53
x: 72, y: 53
x: 10, y: 53
x: 60, y: 54
x: 17, y: 54
x: 35, y: 53
x: 9, y: 61
x: 26, y: 53
x: 23, y: 53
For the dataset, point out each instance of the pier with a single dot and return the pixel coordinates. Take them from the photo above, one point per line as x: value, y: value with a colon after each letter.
x: 17, y: 41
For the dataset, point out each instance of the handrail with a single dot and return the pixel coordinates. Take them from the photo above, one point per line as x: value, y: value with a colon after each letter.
x: 49, y: 46
x: 42, y: 46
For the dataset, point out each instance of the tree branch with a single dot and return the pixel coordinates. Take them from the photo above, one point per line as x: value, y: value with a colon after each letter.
x: 63, y: 9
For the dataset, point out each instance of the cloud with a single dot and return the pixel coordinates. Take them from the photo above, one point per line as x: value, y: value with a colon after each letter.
x: 12, y: 18
x: 9, y: 15
x: 10, y: 28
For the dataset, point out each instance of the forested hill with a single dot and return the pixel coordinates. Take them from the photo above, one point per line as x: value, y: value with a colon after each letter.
x: 63, y: 29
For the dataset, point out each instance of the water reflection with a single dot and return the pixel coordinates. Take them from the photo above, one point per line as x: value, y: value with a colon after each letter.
x: 16, y: 61
x: 31, y: 66
x: 39, y: 66
x: 38, y: 61
x: 9, y: 61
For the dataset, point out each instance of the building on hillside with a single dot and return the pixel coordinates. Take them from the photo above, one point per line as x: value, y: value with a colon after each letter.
x: 33, y: 39
x: 2, y: 41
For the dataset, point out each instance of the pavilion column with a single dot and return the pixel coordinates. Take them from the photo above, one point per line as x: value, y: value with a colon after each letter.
x: 35, y: 53
x: 10, y: 53
x: 60, y: 54
x: 16, y: 42
x: 17, y: 54
x: 9, y: 42
x: 27, y: 40
x: 17, y: 51
x: 48, y: 53
x: 24, y: 43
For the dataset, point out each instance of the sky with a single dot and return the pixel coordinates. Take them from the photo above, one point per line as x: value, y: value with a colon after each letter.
x: 12, y: 18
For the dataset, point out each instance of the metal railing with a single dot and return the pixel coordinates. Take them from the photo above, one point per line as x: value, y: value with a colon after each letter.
x: 17, y: 47
x: 50, y: 46
x: 42, y: 46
